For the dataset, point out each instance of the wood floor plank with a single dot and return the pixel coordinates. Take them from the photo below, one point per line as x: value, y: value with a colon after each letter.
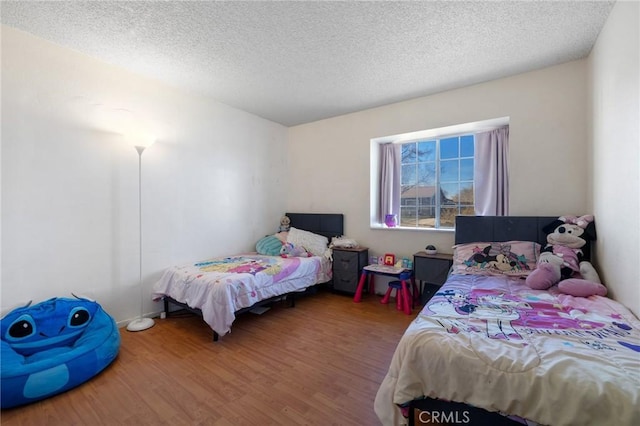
x: 320, y: 363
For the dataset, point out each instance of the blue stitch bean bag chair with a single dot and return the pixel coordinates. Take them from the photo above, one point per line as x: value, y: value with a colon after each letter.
x: 52, y: 347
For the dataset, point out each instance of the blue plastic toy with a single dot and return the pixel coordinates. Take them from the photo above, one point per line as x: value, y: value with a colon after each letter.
x: 52, y: 347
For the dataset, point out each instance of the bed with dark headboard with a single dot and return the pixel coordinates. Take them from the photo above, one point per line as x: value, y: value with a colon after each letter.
x: 487, y: 349
x: 220, y: 288
x: 501, y: 228
x: 326, y: 224
x: 506, y: 228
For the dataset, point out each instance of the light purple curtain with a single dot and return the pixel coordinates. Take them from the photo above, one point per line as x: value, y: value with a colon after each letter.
x: 491, y: 173
x: 389, y: 181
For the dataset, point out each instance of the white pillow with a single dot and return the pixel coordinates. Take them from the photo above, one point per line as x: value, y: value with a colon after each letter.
x: 314, y: 243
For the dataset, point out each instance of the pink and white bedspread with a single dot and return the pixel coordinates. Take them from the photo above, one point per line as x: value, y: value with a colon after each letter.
x: 221, y: 286
x: 492, y: 342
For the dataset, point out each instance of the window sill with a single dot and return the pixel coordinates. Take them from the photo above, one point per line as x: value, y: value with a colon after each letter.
x: 406, y: 228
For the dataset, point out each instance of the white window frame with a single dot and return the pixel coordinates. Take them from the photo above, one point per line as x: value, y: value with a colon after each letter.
x: 436, y: 133
x: 438, y: 177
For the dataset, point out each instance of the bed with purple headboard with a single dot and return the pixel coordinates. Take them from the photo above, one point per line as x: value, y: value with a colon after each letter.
x: 487, y: 349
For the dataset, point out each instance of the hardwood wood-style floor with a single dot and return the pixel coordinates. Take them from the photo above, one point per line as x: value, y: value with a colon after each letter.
x: 320, y: 363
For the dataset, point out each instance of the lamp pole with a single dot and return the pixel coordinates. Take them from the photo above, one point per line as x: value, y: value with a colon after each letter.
x: 141, y: 323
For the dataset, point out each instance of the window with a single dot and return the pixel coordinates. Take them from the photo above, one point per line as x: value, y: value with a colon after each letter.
x: 436, y: 181
x: 425, y: 179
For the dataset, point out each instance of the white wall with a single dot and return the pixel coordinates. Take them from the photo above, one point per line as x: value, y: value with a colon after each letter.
x: 548, y: 157
x: 211, y: 184
x: 614, y: 76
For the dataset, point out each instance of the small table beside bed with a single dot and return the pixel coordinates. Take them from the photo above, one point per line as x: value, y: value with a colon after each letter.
x: 509, y: 353
x: 220, y: 288
x: 409, y: 292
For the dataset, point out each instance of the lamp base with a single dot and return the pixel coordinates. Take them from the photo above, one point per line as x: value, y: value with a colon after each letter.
x: 140, y: 324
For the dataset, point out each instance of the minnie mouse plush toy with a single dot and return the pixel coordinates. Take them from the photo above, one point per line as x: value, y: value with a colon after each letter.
x: 562, y: 260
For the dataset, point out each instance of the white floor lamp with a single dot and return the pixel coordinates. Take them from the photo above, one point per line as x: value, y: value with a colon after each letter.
x: 141, y: 323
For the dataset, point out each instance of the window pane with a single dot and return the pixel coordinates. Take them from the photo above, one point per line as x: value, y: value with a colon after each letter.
x: 466, y: 193
x: 449, y: 148
x: 427, y: 217
x: 466, y: 146
x: 426, y: 151
x: 448, y: 217
x: 408, y: 216
x: 408, y: 153
x: 466, y: 169
x: 418, y: 193
x: 449, y: 171
x: 467, y: 211
x: 449, y: 193
x: 427, y: 196
x: 408, y: 197
x: 408, y: 175
x: 427, y: 174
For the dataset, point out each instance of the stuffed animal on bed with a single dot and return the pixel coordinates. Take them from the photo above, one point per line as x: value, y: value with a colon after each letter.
x: 562, y: 260
x: 289, y: 250
x: 285, y: 224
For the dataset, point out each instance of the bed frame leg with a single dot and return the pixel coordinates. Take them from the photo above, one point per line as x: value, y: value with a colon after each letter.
x: 166, y: 306
x: 215, y: 336
x: 412, y: 413
x: 293, y: 301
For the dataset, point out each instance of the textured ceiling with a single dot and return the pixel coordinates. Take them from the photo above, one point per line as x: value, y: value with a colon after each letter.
x: 297, y: 62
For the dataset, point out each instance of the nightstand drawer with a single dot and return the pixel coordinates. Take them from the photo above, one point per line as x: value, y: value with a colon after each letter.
x: 345, y: 282
x: 432, y: 269
x: 347, y: 267
x: 345, y: 262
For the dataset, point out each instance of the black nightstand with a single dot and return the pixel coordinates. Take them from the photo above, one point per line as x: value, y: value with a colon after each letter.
x: 430, y: 271
x: 347, y: 266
